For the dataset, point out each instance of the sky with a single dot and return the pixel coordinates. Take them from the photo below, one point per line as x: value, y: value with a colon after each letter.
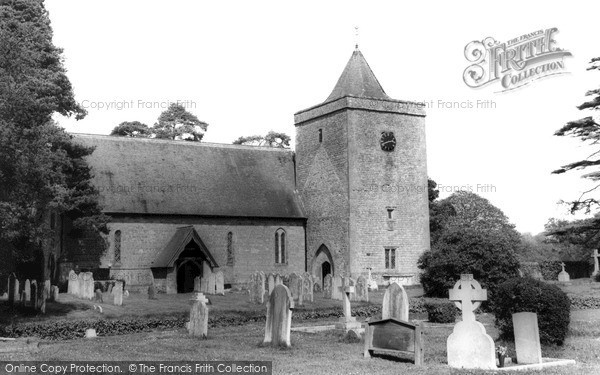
x: 245, y: 67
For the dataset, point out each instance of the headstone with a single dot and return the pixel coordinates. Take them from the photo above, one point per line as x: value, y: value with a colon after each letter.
x: 80, y: 289
x: 125, y: 293
x: 469, y: 346
x: 90, y: 333
x: 307, y: 288
x: 347, y: 322
x: 72, y: 280
x: 220, y: 283
x: 279, y: 317
x: 300, y: 291
x: 4, y: 297
x: 212, y: 283
x: 395, y: 303
x: 595, y: 255
x: 88, y: 286
x: 11, y: 288
x: 151, y: 292
x: 327, y: 286
x: 54, y: 293
x: 110, y: 288
x: 294, y: 285
x: 270, y: 283
x: 204, y: 284
x: 371, y: 282
x: 98, y: 296
x: 27, y: 292
x: 362, y: 289
x: 336, y: 283
x: 527, y: 338
x: 563, y: 276
x: 198, y: 324
x: 257, y: 288
x: 197, y: 284
x: 118, y: 293
x: 16, y: 289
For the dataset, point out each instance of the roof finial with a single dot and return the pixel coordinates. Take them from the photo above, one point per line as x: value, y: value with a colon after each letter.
x: 356, y: 37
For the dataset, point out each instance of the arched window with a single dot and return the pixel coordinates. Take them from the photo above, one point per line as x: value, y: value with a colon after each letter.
x: 280, y: 255
x: 118, y: 246
x: 230, y: 255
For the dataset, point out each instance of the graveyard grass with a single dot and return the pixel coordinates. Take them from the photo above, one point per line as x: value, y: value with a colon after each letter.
x: 311, y: 353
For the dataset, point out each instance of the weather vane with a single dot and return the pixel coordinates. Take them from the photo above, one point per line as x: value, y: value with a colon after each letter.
x: 356, y: 37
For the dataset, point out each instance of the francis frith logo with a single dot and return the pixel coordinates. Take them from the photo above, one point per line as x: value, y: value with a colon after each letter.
x: 514, y: 63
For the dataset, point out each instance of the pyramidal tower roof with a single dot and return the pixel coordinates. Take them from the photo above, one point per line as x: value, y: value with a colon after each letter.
x: 357, y: 80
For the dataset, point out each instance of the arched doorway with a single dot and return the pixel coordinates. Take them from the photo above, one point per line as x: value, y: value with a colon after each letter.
x: 189, y: 266
x: 322, y: 264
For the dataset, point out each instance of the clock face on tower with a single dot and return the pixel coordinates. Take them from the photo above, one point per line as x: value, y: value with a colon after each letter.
x: 387, y: 141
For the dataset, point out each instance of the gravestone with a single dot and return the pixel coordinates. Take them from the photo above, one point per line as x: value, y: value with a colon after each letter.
x: 118, y: 293
x: 98, y: 296
x: 300, y: 290
x: 394, y: 337
x: 151, y: 292
x: 327, y: 286
x: 90, y: 333
x: 11, y: 288
x: 279, y: 317
x: 347, y: 322
x: 54, y: 293
x: 80, y: 289
x: 527, y: 338
x: 294, y: 285
x: 110, y: 288
x: 469, y: 346
x: 4, y: 297
x: 595, y: 255
x: 362, y: 289
x: 198, y: 324
x: 27, y: 292
x: 395, y: 303
x: 307, y: 288
x: 220, y: 283
x: 563, y: 276
x: 197, y: 284
x: 336, y: 283
x: 74, y: 281
x: 257, y: 288
x: 88, y: 286
x: 270, y: 283
x: 71, y: 280
x: 204, y: 284
x: 212, y: 283
x: 371, y: 282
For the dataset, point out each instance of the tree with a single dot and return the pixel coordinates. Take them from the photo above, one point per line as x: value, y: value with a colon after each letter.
x: 272, y: 139
x: 178, y: 124
x: 587, y: 129
x: 41, y: 168
x: 471, y: 236
x: 134, y: 129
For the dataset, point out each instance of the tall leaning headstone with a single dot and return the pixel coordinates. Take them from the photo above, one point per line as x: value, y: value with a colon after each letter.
x: 527, y: 338
x: 395, y: 303
x: 279, y: 317
x: 362, y: 289
x: 27, y: 291
x: 469, y: 346
x: 327, y: 286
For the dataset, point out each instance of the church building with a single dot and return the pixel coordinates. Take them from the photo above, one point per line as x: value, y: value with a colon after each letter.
x: 351, y: 199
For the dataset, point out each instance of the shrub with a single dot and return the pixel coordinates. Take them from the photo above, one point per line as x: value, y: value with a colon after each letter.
x: 489, y: 256
x: 441, y: 311
x: 528, y: 295
x: 550, y: 269
x: 597, y: 277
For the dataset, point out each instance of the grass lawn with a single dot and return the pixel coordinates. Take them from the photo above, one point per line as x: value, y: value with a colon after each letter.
x: 319, y: 353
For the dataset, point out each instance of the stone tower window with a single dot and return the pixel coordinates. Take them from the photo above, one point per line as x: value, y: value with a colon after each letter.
x: 390, y: 258
x: 230, y: 256
x: 280, y: 256
x: 118, y: 246
x: 320, y: 135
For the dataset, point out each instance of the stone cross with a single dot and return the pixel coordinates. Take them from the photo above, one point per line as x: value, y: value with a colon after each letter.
x: 596, y: 266
x: 346, y: 291
x: 468, y: 295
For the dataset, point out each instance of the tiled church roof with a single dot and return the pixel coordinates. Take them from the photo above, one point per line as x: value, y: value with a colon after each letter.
x: 357, y: 80
x: 147, y: 176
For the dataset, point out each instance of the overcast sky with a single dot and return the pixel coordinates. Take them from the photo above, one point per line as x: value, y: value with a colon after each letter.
x: 245, y: 67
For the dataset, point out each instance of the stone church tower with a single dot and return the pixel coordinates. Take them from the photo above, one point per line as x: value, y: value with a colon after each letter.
x: 362, y: 176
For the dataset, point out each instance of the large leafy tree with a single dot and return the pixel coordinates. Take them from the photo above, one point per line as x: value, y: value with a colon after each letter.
x: 272, y: 139
x: 41, y: 168
x: 471, y: 236
x: 178, y: 124
x: 587, y: 129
